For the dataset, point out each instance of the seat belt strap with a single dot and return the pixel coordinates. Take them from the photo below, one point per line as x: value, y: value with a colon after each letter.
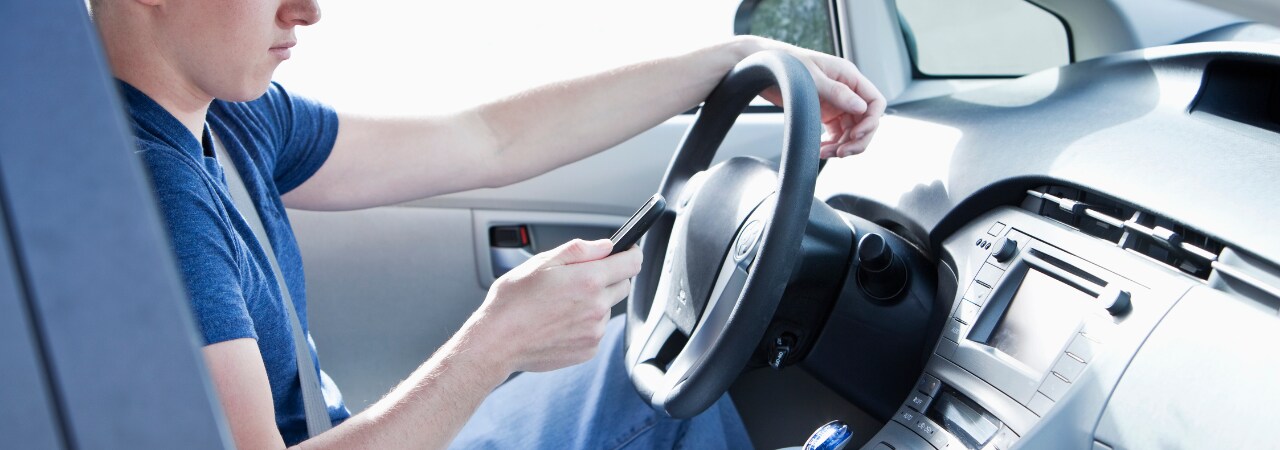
x: 312, y: 396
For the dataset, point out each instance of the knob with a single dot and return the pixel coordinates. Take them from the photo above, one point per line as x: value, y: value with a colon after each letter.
x: 874, y: 252
x: 881, y: 274
x: 832, y: 436
x: 1005, y: 250
x: 1115, y: 300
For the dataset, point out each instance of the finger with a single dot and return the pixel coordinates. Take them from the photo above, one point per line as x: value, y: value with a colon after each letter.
x: 842, y: 96
x: 773, y: 95
x: 615, y: 268
x: 579, y: 251
x: 855, y: 147
x: 615, y: 293
x: 864, y: 128
x: 828, y: 150
x: 876, y: 102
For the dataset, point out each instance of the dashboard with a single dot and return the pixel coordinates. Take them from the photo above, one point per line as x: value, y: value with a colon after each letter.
x: 1091, y: 257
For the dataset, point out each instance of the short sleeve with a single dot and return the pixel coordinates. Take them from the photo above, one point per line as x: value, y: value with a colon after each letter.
x: 306, y: 129
x: 203, y: 242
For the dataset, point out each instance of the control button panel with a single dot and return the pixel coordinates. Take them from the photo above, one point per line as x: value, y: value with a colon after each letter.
x: 968, y: 425
x: 1066, y: 371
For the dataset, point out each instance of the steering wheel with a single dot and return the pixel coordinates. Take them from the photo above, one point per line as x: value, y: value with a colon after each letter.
x: 727, y: 244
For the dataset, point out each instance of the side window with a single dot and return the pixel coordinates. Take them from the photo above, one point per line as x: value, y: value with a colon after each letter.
x: 803, y: 23
x: 436, y: 57
x: 986, y: 38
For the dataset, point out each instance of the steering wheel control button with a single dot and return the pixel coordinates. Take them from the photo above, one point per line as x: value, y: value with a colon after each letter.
x: 881, y: 274
x: 919, y: 402
x: 832, y: 436
x: 1005, y: 250
x: 747, y: 239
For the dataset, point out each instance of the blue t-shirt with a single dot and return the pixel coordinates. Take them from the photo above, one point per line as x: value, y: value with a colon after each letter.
x: 276, y: 142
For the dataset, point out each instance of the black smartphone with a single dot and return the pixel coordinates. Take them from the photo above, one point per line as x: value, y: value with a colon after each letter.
x: 639, y: 223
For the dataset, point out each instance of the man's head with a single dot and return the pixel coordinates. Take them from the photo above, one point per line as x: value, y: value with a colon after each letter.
x: 225, y: 49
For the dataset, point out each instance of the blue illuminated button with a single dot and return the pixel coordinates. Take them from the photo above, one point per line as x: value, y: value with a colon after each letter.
x: 832, y: 436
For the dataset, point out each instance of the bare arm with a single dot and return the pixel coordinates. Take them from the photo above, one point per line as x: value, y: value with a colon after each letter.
x: 543, y: 315
x: 379, y: 161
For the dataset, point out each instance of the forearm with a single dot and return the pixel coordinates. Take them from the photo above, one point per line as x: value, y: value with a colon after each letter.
x: 550, y: 126
x: 427, y: 409
x: 379, y: 161
x: 383, y: 161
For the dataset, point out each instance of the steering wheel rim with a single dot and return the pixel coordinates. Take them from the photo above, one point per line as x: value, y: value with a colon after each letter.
x: 719, y: 345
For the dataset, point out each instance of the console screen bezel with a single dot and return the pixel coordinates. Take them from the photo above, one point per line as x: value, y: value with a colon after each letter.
x: 1005, y: 372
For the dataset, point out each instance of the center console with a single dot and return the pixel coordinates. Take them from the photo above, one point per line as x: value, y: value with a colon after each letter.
x: 1044, y: 321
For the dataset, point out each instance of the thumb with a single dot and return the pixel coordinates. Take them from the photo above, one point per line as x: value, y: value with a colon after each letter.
x: 578, y: 250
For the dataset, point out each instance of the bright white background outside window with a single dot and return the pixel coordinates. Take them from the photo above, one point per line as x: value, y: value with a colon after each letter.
x: 429, y: 57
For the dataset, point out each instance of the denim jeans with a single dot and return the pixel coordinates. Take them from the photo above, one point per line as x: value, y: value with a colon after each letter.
x: 592, y: 405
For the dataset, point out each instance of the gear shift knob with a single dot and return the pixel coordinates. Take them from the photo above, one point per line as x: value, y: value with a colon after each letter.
x: 832, y: 436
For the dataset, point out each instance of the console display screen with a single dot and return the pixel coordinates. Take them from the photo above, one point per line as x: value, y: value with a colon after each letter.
x: 1041, y: 319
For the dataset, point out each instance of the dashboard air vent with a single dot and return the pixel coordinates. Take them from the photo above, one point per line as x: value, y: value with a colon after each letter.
x: 1142, y: 232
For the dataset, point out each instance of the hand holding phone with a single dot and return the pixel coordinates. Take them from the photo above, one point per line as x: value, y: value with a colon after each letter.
x: 638, y: 224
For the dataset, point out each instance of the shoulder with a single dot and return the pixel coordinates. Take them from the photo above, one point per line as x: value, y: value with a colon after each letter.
x: 188, y: 199
x: 171, y: 169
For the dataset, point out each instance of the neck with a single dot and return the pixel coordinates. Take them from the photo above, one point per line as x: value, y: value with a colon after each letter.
x: 142, y: 65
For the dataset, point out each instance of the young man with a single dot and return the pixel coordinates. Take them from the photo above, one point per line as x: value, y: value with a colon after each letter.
x: 194, y: 73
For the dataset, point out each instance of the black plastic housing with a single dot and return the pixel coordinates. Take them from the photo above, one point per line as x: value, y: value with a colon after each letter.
x: 871, y: 351
x: 815, y: 283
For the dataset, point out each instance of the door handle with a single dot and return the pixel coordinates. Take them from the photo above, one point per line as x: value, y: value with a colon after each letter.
x: 508, y: 247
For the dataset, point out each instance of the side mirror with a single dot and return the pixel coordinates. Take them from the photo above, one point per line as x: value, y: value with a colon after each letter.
x: 803, y: 23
